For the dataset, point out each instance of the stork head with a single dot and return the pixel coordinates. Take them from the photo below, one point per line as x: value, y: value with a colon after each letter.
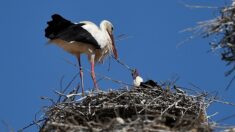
x: 108, y: 26
x: 137, y: 79
x: 134, y: 73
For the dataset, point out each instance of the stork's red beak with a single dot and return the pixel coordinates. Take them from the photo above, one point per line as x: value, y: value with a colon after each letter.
x: 114, y: 47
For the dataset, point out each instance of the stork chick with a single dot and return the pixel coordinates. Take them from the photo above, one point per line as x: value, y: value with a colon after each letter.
x: 137, y: 79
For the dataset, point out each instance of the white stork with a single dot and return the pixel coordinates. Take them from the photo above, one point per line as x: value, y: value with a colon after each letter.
x: 84, y: 37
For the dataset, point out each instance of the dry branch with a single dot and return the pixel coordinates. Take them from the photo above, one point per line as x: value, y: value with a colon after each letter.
x: 222, y: 29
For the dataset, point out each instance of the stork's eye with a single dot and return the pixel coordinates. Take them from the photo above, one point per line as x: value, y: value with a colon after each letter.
x: 112, y: 28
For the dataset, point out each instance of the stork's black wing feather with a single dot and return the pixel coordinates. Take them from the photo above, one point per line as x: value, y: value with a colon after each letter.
x: 56, y: 25
x: 79, y: 34
x: 60, y: 28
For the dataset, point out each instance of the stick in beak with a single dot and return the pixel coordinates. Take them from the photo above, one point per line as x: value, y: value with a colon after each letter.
x: 114, y: 48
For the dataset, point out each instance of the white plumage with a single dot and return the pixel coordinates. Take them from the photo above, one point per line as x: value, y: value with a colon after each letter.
x: 137, y: 81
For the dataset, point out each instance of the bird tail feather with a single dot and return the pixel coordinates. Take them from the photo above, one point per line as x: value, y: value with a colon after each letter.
x: 56, y: 25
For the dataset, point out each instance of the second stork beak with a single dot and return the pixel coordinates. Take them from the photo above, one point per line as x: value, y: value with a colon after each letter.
x: 114, y: 47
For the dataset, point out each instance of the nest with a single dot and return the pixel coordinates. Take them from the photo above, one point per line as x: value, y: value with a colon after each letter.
x: 145, y: 108
x: 223, y: 30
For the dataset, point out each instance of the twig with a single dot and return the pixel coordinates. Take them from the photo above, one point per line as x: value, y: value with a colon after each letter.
x: 122, y: 37
x: 74, y: 77
x: 50, y: 99
x: 8, y: 127
x: 170, y: 106
x: 61, y: 83
x: 109, y: 78
x: 230, y: 83
x: 31, y: 124
x: 67, y: 126
x: 226, y: 118
x: 125, y: 65
x: 224, y: 102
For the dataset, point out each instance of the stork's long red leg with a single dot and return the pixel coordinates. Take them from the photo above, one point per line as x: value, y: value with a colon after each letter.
x: 92, y: 61
x: 81, y: 74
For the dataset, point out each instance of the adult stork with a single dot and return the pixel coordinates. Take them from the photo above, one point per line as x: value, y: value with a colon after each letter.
x: 83, y: 37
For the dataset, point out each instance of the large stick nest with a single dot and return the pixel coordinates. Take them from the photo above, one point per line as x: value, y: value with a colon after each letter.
x: 146, y: 108
x: 222, y: 28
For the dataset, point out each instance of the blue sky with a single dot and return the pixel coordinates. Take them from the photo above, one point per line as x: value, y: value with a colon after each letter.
x: 30, y: 69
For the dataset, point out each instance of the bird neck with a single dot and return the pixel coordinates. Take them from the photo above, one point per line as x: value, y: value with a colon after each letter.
x: 104, y: 29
